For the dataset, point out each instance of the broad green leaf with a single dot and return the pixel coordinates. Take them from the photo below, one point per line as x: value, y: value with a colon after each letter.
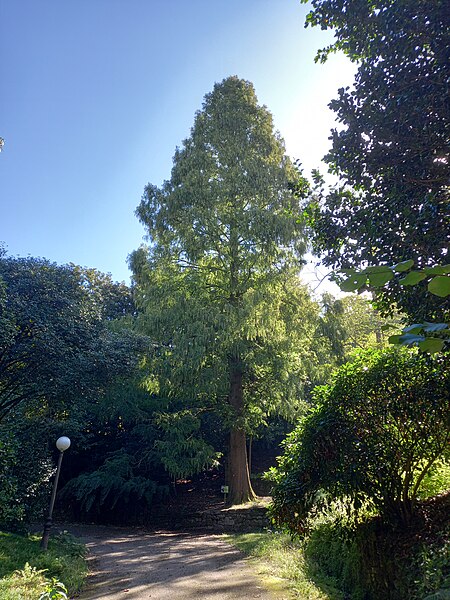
x: 401, y: 267
x: 430, y: 327
x: 353, y: 283
x: 413, y: 328
x: 387, y: 327
x: 377, y: 269
x: 381, y: 278
x: 407, y: 339
x: 438, y: 270
x: 431, y: 345
x: 394, y: 339
x: 413, y: 278
x: 440, y: 286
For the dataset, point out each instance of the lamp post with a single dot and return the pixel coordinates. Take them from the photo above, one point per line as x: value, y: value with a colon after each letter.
x: 62, y: 443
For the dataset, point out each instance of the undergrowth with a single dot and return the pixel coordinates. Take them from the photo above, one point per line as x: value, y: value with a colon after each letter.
x: 282, y: 563
x: 28, y: 573
x: 341, y: 559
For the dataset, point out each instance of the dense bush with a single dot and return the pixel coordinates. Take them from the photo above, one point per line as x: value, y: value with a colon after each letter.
x: 370, y: 560
x: 130, y: 453
x: 375, y: 433
x: 25, y: 470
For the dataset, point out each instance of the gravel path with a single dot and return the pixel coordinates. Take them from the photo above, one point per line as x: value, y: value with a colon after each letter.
x: 135, y: 564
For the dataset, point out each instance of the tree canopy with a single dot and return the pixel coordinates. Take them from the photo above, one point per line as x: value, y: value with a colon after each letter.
x: 217, y: 285
x: 64, y: 357
x: 54, y: 346
x: 391, y: 155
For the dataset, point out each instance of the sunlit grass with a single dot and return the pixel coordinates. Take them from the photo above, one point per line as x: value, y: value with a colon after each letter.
x: 24, y: 568
x: 282, y: 564
x: 437, y: 480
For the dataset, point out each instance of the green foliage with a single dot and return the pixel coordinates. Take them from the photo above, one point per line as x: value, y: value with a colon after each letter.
x: 131, y: 445
x: 182, y: 451
x: 331, y: 550
x: 54, y: 590
x: 63, y: 354
x: 431, y: 576
x: 108, y: 299
x: 25, y: 469
x: 55, y: 346
x: 368, y: 561
x: 336, y: 558
x: 436, y: 480
x: 421, y: 334
x: 377, y: 429
x: 23, y: 584
x: 114, y: 485
x: 391, y: 153
x: 217, y: 287
x: 11, y: 512
x: 347, y: 324
x: 26, y: 572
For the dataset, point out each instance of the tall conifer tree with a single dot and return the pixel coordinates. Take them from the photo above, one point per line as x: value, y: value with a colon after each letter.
x: 217, y: 285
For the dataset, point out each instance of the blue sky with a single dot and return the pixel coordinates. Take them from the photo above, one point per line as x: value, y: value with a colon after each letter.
x: 96, y: 95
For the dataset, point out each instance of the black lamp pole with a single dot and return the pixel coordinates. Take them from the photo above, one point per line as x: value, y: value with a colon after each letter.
x: 62, y: 444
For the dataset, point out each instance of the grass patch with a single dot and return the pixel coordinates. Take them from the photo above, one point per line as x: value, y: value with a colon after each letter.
x: 281, y: 563
x: 366, y: 560
x: 437, y: 480
x: 25, y: 570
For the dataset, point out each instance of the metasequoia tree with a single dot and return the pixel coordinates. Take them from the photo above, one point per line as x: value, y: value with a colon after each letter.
x: 217, y: 285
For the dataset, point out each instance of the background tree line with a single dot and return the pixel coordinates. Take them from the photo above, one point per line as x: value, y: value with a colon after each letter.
x: 74, y: 362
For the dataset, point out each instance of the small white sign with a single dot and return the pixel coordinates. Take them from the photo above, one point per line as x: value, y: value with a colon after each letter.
x: 224, y: 489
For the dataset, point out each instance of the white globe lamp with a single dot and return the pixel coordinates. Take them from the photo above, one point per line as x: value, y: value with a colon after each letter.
x: 63, y: 443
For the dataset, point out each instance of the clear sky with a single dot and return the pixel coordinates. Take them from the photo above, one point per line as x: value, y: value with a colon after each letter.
x: 96, y: 95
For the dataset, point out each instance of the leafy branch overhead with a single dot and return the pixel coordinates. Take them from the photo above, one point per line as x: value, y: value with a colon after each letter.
x: 390, y: 151
x: 437, y: 279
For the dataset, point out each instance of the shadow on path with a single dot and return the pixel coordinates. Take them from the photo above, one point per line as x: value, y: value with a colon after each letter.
x: 134, y: 565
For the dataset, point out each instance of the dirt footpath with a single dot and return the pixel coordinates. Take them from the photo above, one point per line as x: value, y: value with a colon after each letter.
x: 133, y: 565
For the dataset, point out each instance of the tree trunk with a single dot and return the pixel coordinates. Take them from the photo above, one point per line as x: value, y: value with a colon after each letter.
x: 239, y: 478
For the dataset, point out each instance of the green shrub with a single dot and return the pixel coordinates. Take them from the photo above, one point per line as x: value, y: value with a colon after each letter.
x: 370, y: 561
x: 22, y: 584
x: 375, y: 434
x: 182, y: 450
x: 54, y: 590
x: 11, y: 511
x: 331, y: 550
x: 432, y: 569
x: 339, y: 558
x: 25, y: 471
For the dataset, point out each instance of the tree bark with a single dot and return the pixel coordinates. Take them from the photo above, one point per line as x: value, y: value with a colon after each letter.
x: 239, y: 478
